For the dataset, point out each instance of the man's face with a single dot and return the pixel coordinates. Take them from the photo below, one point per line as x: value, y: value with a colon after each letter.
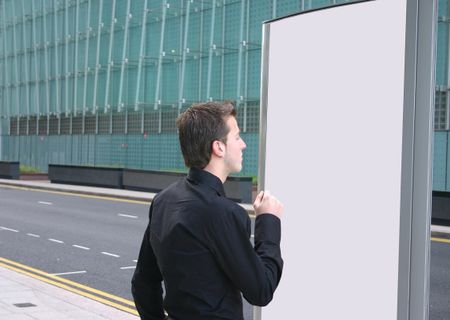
x: 233, y: 147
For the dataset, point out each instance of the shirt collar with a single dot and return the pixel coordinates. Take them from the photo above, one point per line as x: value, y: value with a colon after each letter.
x: 201, y: 176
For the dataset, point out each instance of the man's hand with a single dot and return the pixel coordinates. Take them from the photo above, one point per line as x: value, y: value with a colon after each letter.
x: 267, y: 203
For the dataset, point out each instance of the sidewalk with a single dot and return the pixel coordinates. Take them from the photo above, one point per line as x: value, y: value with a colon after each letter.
x: 25, y: 298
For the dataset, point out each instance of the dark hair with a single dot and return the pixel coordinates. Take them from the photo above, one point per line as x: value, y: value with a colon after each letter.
x: 199, y: 126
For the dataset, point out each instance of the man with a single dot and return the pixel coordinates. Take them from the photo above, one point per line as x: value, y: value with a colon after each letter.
x: 197, y: 240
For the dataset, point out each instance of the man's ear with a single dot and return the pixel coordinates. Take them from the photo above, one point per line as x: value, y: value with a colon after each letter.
x: 218, y: 148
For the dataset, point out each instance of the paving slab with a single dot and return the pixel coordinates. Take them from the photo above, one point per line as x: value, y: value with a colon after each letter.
x: 25, y: 298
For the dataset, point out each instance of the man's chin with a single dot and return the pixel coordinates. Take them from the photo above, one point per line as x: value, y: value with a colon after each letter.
x: 237, y: 170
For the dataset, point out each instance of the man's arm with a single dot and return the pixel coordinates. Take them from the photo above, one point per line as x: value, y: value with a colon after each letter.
x: 146, y: 283
x: 255, y: 271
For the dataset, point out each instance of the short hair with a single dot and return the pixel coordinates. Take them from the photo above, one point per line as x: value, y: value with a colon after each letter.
x: 199, y: 126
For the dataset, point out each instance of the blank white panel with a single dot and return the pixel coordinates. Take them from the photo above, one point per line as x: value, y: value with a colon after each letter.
x: 333, y: 157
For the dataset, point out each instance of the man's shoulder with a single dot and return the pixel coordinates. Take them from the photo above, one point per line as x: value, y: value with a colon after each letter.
x: 228, y: 204
x: 199, y: 198
x: 170, y: 190
x: 230, y: 210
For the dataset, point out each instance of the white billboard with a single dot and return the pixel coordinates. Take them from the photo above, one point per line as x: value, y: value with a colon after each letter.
x: 333, y: 148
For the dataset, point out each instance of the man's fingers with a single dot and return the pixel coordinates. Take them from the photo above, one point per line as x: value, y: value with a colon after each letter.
x: 258, y: 198
x: 265, y: 202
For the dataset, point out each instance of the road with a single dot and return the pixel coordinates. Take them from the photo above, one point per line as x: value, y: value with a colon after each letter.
x: 95, y: 242
x: 440, y: 281
x: 91, y: 241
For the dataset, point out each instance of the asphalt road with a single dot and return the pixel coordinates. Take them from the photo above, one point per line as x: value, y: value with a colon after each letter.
x: 440, y: 281
x: 91, y: 241
x: 65, y: 234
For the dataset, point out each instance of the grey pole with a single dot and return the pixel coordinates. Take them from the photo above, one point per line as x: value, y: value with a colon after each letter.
x: 415, y: 218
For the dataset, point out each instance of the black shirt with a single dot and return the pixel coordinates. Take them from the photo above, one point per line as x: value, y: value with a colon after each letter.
x: 197, y: 240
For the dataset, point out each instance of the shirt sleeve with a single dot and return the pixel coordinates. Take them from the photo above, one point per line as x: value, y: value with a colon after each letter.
x: 256, y: 271
x: 146, y: 285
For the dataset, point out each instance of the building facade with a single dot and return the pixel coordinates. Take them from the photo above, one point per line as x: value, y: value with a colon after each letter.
x: 101, y: 82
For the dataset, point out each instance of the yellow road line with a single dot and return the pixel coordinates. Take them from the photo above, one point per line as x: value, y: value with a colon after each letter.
x: 440, y: 240
x: 72, y: 283
x: 63, y: 286
x: 74, y: 193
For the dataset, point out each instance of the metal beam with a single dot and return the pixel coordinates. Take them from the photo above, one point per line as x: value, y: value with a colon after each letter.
x: 25, y: 58
x: 3, y: 33
x: 97, y: 58
x: 124, y: 56
x: 447, y: 105
x: 161, y: 55
x: 200, y: 62
x: 274, y: 8
x: 47, y: 91
x: 247, y: 36
x: 16, y: 71
x: 222, y: 57
x: 126, y: 122
x: 5, y: 65
x: 86, y: 56
x: 36, y: 61
x: 141, y: 56
x: 183, y: 59
x: 110, y: 61
x: 56, y: 60
x: 75, y: 67
x: 239, y: 95
x: 66, y: 60
x: 211, y: 49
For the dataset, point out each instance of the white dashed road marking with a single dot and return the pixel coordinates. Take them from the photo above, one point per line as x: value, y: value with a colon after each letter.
x: 33, y: 235
x: 45, y: 202
x: 66, y: 273
x: 110, y: 254
x: 57, y: 241
x: 81, y: 247
x: 127, y: 216
x: 8, y: 229
x: 130, y: 267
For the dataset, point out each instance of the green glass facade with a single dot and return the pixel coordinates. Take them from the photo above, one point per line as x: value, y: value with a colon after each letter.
x: 101, y: 82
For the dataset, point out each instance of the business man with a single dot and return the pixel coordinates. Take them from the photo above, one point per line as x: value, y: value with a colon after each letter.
x: 197, y: 240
